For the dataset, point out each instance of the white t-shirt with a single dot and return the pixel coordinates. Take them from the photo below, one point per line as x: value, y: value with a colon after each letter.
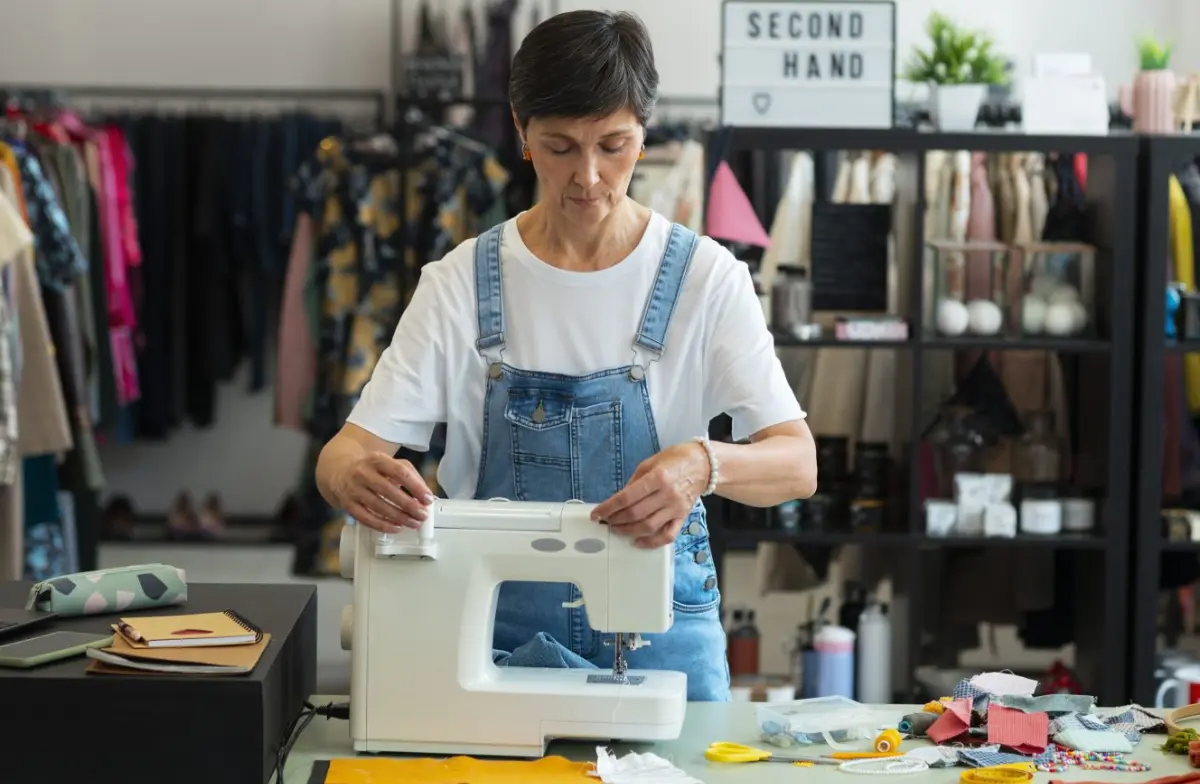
x: 719, y: 355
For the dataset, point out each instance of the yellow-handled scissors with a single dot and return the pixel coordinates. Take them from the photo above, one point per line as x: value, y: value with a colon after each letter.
x: 737, y: 752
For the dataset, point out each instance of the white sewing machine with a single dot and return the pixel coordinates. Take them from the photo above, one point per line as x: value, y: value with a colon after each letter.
x: 420, y: 633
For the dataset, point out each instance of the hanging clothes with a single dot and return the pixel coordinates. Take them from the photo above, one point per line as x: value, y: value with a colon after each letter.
x: 365, y: 263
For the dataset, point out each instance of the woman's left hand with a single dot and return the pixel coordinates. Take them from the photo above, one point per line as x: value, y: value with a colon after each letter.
x: 654, y: 504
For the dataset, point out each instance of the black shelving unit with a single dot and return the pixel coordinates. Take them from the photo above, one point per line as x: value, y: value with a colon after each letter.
x: 1101, y: 558
x: 1161, y: 157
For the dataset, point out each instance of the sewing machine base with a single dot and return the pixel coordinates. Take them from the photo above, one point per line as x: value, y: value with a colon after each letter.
x: 519, y: 712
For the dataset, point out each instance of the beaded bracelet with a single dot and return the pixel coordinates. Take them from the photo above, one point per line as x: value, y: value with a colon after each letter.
x: 714, y: 466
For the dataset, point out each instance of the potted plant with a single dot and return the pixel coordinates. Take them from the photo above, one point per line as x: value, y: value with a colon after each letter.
x: 1153, y: 88
x: 959, y: 67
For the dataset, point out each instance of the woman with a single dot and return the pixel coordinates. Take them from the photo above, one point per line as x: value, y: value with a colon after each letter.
x: 579, y: 351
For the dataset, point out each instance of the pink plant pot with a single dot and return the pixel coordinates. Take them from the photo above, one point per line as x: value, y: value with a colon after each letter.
x: 1153, y: 94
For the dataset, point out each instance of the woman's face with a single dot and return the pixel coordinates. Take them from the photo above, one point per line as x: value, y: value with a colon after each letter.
x: 584, y: 165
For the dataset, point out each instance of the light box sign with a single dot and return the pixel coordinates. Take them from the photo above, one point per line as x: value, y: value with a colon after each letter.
x: 793, y: 63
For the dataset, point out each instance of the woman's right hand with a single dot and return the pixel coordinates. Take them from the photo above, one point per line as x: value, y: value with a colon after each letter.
x: 382, y: 492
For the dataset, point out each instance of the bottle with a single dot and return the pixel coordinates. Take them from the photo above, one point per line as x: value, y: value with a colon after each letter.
x: 743, y: 644
x: 875, y: 655
x: 835, y: 662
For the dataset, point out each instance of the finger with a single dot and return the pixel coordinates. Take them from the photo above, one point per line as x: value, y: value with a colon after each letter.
x: 651, y: 524
x: 366, y: 517
x: 376, y: 506
x: 395, y: 496
x: 404, y: 474
x: 624, y: 498
x: 662, y: 537
x: 640, y: 510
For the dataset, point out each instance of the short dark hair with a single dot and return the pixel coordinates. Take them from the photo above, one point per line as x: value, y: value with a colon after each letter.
x: 584, y: 64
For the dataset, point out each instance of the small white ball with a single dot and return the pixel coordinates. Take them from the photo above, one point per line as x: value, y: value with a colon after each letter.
x: 984, y: 317
x: 952, y: 317
x: 1033, y: 315
x: 1060, y: 319
x: 1080, y: 317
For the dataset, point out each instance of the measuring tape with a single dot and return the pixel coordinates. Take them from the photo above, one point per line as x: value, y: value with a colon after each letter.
x: 1000, y: 774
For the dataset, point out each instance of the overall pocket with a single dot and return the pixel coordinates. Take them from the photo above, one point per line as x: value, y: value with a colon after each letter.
x: 696, y: 588
x: 539, y: 423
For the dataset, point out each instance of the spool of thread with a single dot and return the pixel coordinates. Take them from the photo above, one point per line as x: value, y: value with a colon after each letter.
x: 887, y: 741
x: 1194, y: 753
x: 917, y: 724
x: 835, y: 664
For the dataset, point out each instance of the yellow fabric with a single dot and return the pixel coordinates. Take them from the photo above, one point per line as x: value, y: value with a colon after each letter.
x: 458, y: 770
x: 1184, y: 268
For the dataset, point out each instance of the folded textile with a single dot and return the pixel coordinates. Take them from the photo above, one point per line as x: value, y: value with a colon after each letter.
x: 954, y: 722
x: 1140, y: 718
x: 1025, y: 733
x: 965, y: 690
x: 1049, y: 703
x: 636, y: 768
x: 989, y: 756
x: 1089, y: 733
x: 542, y: 651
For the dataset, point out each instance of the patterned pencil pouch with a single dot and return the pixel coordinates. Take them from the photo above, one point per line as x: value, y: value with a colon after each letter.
x: 110, y: 590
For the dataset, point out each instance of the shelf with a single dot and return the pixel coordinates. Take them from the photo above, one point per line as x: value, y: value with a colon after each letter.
x: 908, y: 140
x: 1183, y: 346
x: 742, y: 539
x: 784, y: 340
x: 1067, y: 345
x: 1180, y: 546
x: 1031, y: 541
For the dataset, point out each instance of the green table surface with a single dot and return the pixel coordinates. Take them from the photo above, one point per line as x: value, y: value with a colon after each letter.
x: 734, y: 722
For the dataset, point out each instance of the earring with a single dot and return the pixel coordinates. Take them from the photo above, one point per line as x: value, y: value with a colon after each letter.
x: 642, y: 154
x: 525, y: 152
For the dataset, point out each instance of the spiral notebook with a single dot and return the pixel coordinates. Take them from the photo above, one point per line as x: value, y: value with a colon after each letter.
x: 189, y: 631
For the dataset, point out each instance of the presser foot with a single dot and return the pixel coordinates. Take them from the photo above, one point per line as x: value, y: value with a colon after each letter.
x: 623, y: 642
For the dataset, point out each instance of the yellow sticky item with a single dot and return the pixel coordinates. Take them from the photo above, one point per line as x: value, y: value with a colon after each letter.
x: 934, y: 707
x: 457, y: 770
x: 1182, y: 269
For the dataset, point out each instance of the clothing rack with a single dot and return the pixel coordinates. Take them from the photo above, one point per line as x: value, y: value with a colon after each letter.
x: 48, y: 93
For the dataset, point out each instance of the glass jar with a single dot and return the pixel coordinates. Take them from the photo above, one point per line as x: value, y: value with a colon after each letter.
x: 1037, y: 455
x: 1058, y: 281
x: 958, y: 447
x: 969, y: 290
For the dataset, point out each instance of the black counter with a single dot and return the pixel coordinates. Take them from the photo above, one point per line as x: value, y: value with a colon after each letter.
x: 58, y: 724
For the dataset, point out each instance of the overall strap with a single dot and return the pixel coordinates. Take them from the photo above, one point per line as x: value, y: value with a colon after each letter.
x: 660, y: 305
x: 489, y: 301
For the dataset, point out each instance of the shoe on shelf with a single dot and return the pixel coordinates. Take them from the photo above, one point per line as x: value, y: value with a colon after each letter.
x: 117, y: 520
x: 211, y: 519
x: 181, y: 517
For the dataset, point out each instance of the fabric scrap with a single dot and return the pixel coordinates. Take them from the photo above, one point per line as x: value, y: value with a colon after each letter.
x: 1026, y: 733
x: 990, y: 756
x: 1089, y: 734
x: 1143, y: 719
x: 954, y: 722
x: 368, y: 770
x: 1049, y: 703
x: 967, y: 690
x: 934, y: 756
x: 1004, y: 683
x: 636, y: 768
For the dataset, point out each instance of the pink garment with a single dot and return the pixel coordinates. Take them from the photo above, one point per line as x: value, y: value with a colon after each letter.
x: 296, y: 361
x: 113, y: 228
x: 981, y: 227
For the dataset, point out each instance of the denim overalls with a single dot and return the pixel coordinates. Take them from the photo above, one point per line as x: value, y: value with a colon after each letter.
x: 552, y: 437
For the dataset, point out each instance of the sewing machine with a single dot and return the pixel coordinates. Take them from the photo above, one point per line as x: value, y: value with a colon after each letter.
x: 420, y: 633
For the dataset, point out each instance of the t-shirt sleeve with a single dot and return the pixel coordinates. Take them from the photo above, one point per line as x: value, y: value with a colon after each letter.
x: 406, y: 398
x: 744, y: 378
